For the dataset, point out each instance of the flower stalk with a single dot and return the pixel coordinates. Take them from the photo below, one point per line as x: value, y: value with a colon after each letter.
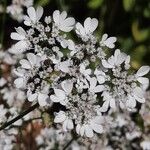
x: 19, y: 116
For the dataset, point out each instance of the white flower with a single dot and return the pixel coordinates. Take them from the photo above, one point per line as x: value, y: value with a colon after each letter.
x: 145, y: 145
x: 108, y: 101
x: 84, y: 71
x: 109, y: 42
x: 41, y: 97
x: 136, y: 95
x: 2, y: 82
x: 89, y: 27
x: 63, y: 23
x: 100, y: 75
x: 115, y: 60
x: 62, y: 118
x: 33, y: 15
x: 61, y: 95
x: 33, y: 61
x: 64, y: 66
x: 139, y: 76
x: 94, y: 124
x: 71, y: 46
x: 127, y: 63
x: 21, y: 81
x: 94, y: 88
x: 20, y: 36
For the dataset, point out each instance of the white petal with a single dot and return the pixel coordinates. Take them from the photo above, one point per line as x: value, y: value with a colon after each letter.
x: 65, y: 125
x: 32, y: 14
x: 27, y: 22
x: 110, y: 42
x: 65, y: 28
x: 82, y: 130
x: 120, y: 59
x: 98, y: 120
x: 78, y: 127
x: 70, y: 21
x: 140, y: 100
x: 32, y: 59
x: 144, y: 81
x: 97, y: 128
x: 94, y: 24
x: 98, y: 88
x: 16, y: 36
x: 21, y: 45
x: 106, y: 64
x: 21, y: 31
x: 131, y: 102
x: 69, y: 124
x: 19, y: 82
x: 56, y: 15
x: 112, y: 103
x: 60, y: 117
x: 143, y: 71
x: 87, y: 25
x: 88, y: 131
x: 39, y: 12
x: 104, y: 37
x: 93, y: 82
x: 80, y: 30
x: 67, y: 86
x: 63, y: 15
x: 60, y: 94
x: 25, y: 64
x: 101, y: 79
x: 105, y: 106
x: 71, y: 45
x: 138, y: 92
x: 54, y: 98
x: 42, y: 99
x: 32, y: 97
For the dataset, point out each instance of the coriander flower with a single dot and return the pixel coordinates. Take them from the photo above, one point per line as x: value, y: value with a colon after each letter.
x: 94, y: 88
x: 108, y: 42
x: 139, y: 76
x: 115, y: 60
x: 62, y: 118
x: 31, y: 62
x: 90, y: 25
x: 20, y: 36
x: 61, y: 96
x: 33, y: 16
x: 62, y: 22
x: 42, y: 97
x: 94, y: 124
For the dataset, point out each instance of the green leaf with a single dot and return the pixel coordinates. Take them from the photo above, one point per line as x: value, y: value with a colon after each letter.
x: 137, y: 56
x: 94, y: 3
x: 128, y: 4
x: 42, y: 2
x: 139, y: 35
x: 146, y: 12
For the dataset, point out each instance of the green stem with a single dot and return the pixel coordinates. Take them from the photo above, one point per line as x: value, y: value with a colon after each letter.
x: 19, y: 116
x: 3, y: 23
x: 68, y: 144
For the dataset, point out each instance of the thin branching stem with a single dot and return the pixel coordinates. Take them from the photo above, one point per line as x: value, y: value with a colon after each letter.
x: 19, y: 116
x: 3, y: 23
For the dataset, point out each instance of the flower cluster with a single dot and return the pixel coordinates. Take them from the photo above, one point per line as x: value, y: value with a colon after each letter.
x: 77, y: 75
